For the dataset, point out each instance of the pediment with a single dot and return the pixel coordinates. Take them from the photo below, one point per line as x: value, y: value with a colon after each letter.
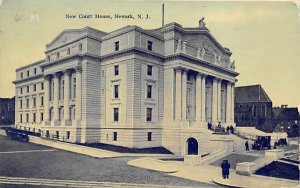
x: 65, y: 37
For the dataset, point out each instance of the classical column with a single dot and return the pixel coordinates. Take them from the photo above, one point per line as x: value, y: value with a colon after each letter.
x: 228, y: 102
x: 47, y: 98
x: 178, y: 94
x: 232, y: 102
x: 215, y: 101
x: 219, y: 100
x: 203, y: 98
x: 183, y: 95
x: 78, y: 93
x: 56, y: 97
x: 67, y: 77
x: 198, y: 97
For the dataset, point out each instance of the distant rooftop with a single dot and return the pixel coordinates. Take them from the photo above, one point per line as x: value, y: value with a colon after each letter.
x: 253, y: 93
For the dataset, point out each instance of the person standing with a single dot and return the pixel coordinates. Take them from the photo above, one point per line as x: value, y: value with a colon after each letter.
x: 247, y: 145
x: 225, y: 169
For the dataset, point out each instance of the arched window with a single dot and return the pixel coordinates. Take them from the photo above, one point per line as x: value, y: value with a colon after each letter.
x: 263, y: 111
x: 254, y: 110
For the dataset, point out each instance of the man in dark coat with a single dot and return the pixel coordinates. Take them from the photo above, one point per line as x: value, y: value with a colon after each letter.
x: 225, y: 169
x: 231, y: 129
x: 247, y: 145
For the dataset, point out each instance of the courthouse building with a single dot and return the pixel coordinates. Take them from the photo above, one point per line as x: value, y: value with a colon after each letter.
x: 130, y: 87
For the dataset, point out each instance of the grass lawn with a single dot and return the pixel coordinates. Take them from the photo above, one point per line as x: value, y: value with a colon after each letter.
x: 280, y: 170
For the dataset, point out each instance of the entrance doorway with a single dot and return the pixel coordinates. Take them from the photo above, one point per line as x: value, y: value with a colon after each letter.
x: 192, y: 146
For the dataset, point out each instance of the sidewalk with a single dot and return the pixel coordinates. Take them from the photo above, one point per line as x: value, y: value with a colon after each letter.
x: 210, y: 174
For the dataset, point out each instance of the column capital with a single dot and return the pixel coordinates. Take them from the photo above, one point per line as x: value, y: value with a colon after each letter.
x: 57, y: 74
x: 78, y: 69
x: 48, y: 77
x: 67, y: 72
x: 201, y: 75
x: 185, y: 70
x: 178, y: 69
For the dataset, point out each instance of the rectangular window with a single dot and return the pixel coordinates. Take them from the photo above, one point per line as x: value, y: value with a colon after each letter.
x: 68, y: 51
x: 149, y: 91
x: 116, y: 70
x: 149, y: 70
x: 115, y: 136
x: 21, y: 74
x: 149, y: 136
x: 42, y: 101
x: 27, y: 118
x: 149, y: 115
x: 27, y: 103
x: 116, y: 91
x: 74, y: 88
x: 42, y: 116
x: 80, y: 47
x: 34, y: 102
x: 34, y: 118
x: 116, y: 114
x: 21, y: 90
x: 150, y: 45
x: 34, y: 87
x: 21, y: 104
x: 42, y: 86
x: 57, y: 134
x: 27, y: 89
x: 21, y: 118
x: 34, y: 71
x: 68, y: 135
x: 117, y: 46
x: 27, y: 73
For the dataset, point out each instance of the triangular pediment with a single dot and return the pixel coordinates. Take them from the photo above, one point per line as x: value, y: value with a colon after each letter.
x: 70, y: 35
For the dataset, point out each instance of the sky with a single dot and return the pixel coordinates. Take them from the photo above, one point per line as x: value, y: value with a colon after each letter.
x: 263, y: 36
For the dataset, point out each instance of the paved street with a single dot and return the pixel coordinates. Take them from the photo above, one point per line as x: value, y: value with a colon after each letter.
x: 34, y: 161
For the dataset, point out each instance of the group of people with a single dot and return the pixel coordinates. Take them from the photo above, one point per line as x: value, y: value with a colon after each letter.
x: 229, y: 129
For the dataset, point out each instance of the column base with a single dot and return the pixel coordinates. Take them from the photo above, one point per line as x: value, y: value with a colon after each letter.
x: 57, y: 122
x: 68, y: 123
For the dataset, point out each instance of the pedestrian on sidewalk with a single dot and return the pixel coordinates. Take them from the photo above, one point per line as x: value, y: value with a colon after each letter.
x: 231, y: 129
x: 247, y: 145
x: 227, y: 129
x: 225, y: 169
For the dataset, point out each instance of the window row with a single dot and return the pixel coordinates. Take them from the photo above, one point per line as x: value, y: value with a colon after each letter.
x: 34, y: 120
x: 149, y: 70
x: 28, y: 73
x: 57, y: 135
x: 148, y: 114
x: 149, y: 91
x: 61, y: 88
x: 33, y: 102
x: 149, y: 45
x: 68, y: 52
x: 115, y: 136
x: 34, y: 88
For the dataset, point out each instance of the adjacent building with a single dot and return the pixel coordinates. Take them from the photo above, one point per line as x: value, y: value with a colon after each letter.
x: 253, y: 108
x: 7, y: 111
x: 130, y: 87
x: 287, y: 119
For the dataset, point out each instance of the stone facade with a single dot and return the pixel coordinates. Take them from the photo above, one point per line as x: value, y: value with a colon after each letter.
x: 131, y: 87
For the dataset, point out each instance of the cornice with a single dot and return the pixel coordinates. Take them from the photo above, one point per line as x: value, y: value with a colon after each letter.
x: 198, y: 61
x: 28, y: 79
x: 30, y: 65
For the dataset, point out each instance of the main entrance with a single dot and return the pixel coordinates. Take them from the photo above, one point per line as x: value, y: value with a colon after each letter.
x: 192, y: 146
